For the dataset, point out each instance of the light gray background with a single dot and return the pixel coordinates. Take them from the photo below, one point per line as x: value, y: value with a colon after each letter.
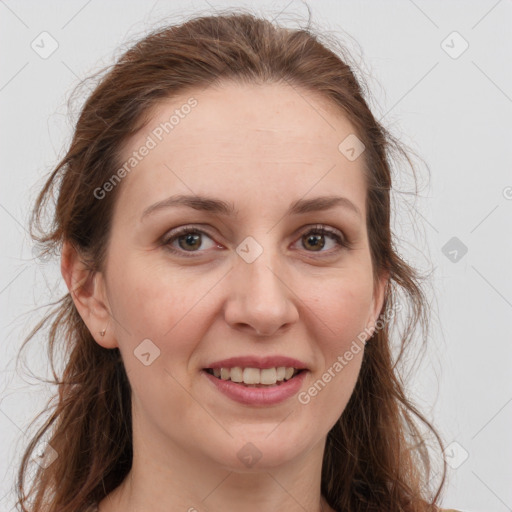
x: 454, y: 112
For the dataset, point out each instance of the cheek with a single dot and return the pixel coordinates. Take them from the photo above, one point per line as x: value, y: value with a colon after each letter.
x: 150, y: 300
x: 170, y: 308
x: 341, y: 305
x: 340, y: 314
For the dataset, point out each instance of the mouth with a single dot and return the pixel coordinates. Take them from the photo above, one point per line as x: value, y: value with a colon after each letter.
x: 255, y: 377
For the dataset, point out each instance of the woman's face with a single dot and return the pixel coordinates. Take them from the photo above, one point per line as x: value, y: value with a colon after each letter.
x: 252, y: 279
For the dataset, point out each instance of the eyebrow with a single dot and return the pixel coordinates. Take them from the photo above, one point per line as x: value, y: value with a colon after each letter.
x: 219, y: 207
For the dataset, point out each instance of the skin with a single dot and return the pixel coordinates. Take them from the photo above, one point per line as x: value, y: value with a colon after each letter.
x: 261, y: 147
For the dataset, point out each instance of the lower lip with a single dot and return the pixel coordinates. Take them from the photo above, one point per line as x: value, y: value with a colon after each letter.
x: 258, y: 396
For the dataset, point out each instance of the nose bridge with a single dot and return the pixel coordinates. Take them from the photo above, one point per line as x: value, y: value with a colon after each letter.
x: 259, y: 295
x: 262, y: 277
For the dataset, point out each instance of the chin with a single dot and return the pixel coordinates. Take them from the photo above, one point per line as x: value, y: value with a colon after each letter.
x: 260, y: 449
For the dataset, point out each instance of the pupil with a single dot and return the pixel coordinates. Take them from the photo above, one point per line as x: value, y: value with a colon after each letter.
x: 190, y: 238
x: 316, y: 244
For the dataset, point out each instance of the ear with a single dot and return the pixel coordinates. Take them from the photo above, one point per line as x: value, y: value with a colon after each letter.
x: 88, y: 291
x: 379, y: 294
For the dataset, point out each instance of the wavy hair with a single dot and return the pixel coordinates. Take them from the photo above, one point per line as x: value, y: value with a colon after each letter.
x: 377, y: 457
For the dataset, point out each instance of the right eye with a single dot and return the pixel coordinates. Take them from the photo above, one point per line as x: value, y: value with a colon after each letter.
x: 188, y: 239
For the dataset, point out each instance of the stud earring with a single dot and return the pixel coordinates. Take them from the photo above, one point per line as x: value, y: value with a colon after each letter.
x: 102, y: 333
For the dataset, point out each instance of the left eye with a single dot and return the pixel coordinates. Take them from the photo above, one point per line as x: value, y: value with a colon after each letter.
x: 314, y: 236
x: 190, y: 239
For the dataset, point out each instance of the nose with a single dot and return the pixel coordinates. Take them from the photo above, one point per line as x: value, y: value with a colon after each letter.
x: 260, y: 300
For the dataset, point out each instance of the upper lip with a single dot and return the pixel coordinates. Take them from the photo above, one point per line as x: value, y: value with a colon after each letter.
x: 259, y: 362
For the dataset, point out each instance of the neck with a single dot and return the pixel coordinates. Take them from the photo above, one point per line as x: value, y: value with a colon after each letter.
x: 177, y: 478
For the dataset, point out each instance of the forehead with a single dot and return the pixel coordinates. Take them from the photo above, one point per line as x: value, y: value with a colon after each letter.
x: 244, y: 116
x: 234, y: 139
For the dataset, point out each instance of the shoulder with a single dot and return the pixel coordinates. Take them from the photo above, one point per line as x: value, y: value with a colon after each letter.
x: 448, y: 510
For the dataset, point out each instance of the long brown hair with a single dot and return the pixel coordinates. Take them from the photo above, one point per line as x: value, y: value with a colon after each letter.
x: 377, y: 457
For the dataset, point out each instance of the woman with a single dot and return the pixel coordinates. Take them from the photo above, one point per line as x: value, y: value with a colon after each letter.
x: 223, y: 216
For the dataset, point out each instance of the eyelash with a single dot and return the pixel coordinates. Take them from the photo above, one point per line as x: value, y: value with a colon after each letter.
x: 319, y: 229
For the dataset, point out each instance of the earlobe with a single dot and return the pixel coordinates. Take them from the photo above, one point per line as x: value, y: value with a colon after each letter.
x: 87, y: 289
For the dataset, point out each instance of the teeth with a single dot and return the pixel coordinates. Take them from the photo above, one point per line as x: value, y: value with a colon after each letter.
x: 249, y: 376
x: 254, y: 376
x: 267, y: 376
x: 237, y: 374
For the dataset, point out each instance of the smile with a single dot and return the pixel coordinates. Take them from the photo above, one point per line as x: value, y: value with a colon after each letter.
x: 256, y: 394
x: 255, y: 377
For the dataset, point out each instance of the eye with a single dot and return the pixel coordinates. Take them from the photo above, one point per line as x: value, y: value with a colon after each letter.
x: 188, y: 239
x: 314, y: 238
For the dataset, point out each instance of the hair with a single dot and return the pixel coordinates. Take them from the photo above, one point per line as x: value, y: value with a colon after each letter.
x: 376, y: 456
